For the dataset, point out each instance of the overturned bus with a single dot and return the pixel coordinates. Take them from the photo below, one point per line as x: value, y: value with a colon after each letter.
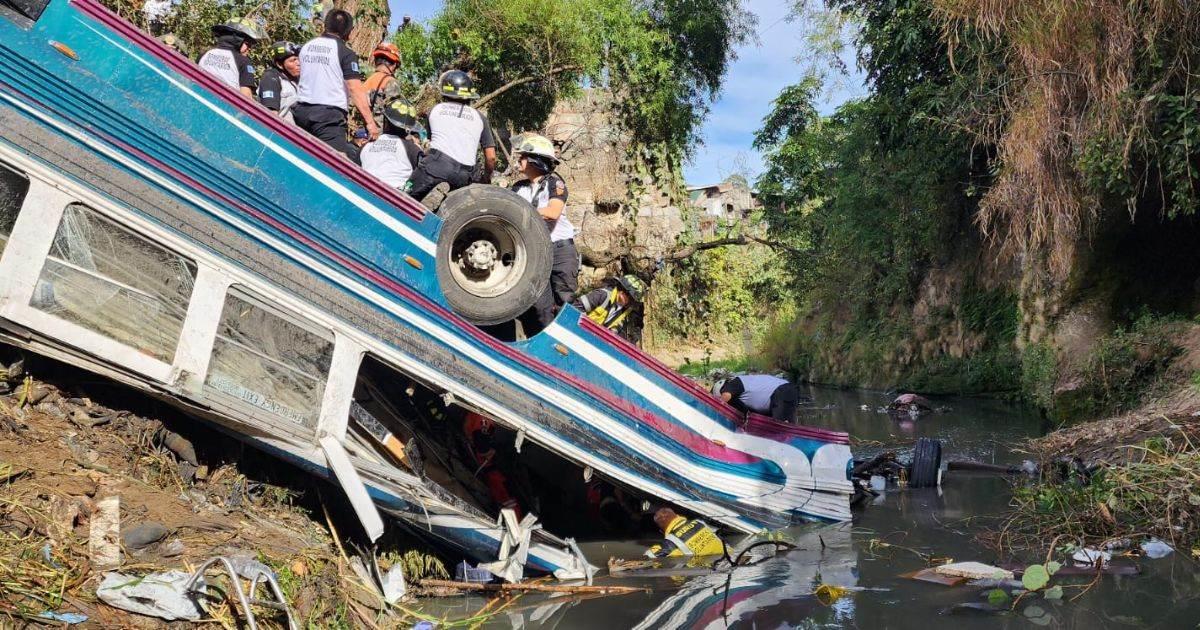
x: 161, y: 230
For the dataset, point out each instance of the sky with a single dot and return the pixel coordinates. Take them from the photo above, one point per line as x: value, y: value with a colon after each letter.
x: 763, y: 68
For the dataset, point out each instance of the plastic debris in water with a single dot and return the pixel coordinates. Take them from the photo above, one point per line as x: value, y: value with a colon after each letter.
x: 1155, y: 548
x: 828, y: 594
x: 1091, y: 557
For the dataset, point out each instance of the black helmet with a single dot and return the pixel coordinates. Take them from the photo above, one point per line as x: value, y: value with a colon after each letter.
x: 401, y: 115
x: 242, y: 27
x: 457, y: 85
x: 281, y: 51
x: 633, y: 286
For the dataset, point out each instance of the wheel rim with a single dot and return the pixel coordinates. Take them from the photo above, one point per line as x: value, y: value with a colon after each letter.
x: 487, y: 256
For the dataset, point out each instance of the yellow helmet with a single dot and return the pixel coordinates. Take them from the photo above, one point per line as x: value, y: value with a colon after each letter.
x: 539, y: 145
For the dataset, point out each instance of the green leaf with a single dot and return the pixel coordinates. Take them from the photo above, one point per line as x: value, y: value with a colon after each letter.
x: 1052, y: 567
x: 1035, y: 577
x: 1054, y: 592
x: 998, y: 598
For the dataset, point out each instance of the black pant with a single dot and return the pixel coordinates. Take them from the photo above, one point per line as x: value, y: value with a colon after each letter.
x: 783, y: 403
x: 437, y: 167
x: 328, y: 124
x: 564, y: 281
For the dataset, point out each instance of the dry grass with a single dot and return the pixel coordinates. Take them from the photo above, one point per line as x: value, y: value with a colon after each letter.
x: 1076, y: 75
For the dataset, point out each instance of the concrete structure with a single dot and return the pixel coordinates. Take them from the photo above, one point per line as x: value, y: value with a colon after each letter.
x: 730, y: 200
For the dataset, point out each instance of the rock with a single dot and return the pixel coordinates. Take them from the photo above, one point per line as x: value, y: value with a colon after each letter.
x: 299, y: 567
x: 144, y: 535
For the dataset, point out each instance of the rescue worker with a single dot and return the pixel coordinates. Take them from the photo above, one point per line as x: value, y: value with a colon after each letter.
x: 480, y: 432
x: 760, y: 393
x: 684, y: 537
x: 329, y: 81
x: 227, y: 61
x: 456, y: 133
x: 609, y: 304
x: 393, y: 156
x: 277, y: 89
x: 382, y: 86
x: 547, y: 192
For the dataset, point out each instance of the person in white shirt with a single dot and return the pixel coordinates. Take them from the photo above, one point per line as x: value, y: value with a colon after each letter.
x: 395, y: 154
x: 456, y: 133
x: 330, y: 80
x: 546, y: 191
x: 277, y: 89
x: 227, y: 61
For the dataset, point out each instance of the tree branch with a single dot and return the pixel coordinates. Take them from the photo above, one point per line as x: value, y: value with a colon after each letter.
x: 489, y: 97
x: 688, y: 251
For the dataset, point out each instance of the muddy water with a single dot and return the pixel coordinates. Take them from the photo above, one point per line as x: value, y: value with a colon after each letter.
x: 779, y: 592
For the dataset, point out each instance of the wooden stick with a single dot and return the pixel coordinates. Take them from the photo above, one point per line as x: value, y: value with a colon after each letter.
x: 549, y: 588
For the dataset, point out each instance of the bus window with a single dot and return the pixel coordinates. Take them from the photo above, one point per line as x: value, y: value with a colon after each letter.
x: 269, y: 362
x: 109, y: 280
x: 13, y: 188
x: 29, y: 9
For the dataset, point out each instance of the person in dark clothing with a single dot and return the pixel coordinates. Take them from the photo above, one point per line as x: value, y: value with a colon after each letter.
x: 227, y: 61
x: 479, y: 432
x: 609, y: 304
x: 277, y: 89
x: 546, y: 191
x: 330, y: 80
x: 760, y: 393
x: 456, y: 133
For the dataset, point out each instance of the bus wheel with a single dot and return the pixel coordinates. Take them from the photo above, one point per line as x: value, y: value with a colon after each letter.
x: 493, y: 254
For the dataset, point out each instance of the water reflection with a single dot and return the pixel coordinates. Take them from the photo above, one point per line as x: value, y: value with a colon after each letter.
x: 775, y: 592
x: 946, y: 521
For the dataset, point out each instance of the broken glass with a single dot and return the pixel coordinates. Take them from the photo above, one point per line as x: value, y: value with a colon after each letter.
x: 109, y: 280
x: 13, y: 188
x: 269, y: 362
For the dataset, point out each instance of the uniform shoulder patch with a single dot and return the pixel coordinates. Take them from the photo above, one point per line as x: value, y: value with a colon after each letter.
x: 560, y: 186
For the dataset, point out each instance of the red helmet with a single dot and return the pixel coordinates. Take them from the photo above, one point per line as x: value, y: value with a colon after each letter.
x: 388, y: 51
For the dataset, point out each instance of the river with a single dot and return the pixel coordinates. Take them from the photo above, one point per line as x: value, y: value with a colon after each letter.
x: 778, y: 593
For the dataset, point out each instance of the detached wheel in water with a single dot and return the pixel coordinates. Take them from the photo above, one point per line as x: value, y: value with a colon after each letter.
x: 493, y: 254
x: 927, y: 460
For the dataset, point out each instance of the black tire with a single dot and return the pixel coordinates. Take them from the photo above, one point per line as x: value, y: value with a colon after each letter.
x: 926, y: 462
x: 496, y: 215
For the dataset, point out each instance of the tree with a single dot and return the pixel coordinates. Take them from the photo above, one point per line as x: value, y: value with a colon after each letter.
x: 663, y: 60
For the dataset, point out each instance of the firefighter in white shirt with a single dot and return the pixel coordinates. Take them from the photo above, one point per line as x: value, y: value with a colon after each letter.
x: 395, y: 154
x: 330, y: 80
x: 456, y: 133
x: 227, y: 61
x: 277, y: 89
x: 547, y: 193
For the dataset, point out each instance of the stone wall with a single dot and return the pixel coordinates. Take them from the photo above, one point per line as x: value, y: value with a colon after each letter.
x: 596, y: 166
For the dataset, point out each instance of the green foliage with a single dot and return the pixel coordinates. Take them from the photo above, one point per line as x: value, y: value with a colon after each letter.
x: 663, y: 59
x: 1039, y: 372
x: 873, y: 196
x: 192, y: 20
x: 1153, y: 494
x: 1035, y: 578
x: 716, y: 294
x: 703, y: 368
x: 1126, y: 363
